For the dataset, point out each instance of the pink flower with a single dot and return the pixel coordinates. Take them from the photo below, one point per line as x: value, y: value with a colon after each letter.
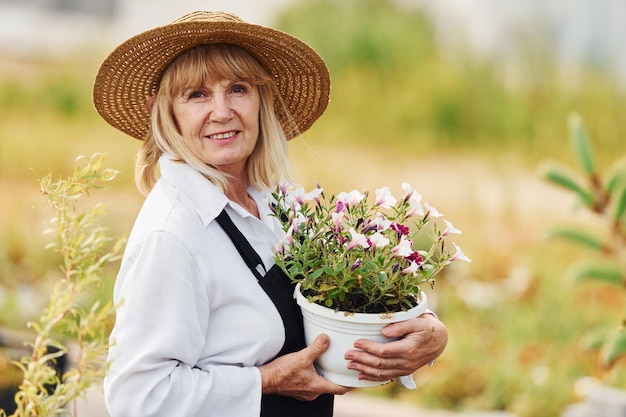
x: 283, y: 186
x: 340, y: 207
x: 384, y: 198
x: 351, y: 198
x: 280, y: 248
x: 337, y: 216
x: 357, y: 240
x: 382, y: 223
x: 297, y: 197
x: 314, y: 194
x: 415, y: 202
x: 289, y: 236
x: 415, y: 257
x: 459, y: 255
x: 404, y: 248
x: 400, y: 228
x: 450, y: 229
x: 378, y: 240
x: 411, y: 269
x: 408, y: 190
x: 432, y: 212
x: 295, y: 226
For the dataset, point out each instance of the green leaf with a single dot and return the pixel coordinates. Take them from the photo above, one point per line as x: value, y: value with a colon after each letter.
x: 562, y: 176
x: 614, y: 347
x: 604, y: 272
x: 620, y: 204
x: 317, y: 273
x: 335, y: 292
x: 328, y: 271
x: 579, y: 236
x: 580, y: 143
x: 294, y: 270
x: 594, y: 340
x: 616, y: 176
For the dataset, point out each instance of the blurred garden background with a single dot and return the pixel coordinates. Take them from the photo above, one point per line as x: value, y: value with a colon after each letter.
x: 464, y: 100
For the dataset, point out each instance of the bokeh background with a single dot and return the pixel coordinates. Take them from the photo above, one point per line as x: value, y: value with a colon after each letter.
x: 463, y: 99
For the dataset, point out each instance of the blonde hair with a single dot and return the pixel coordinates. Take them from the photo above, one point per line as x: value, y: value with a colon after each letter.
x: 268, y: 162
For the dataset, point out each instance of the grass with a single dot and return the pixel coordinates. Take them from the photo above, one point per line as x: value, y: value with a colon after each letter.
x: 467, y: 141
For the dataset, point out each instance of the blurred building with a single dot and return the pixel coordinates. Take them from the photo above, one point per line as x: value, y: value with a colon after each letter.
x: 511, y: 33
x: 515, y: 34
x: 51, y: 26
x: 58, y: 27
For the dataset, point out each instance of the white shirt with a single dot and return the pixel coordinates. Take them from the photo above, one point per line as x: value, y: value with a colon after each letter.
x: 193, y: 324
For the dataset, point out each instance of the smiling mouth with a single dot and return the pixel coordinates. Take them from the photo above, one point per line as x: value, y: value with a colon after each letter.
x: 221, y: 136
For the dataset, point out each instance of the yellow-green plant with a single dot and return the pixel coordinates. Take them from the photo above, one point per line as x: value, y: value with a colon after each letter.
x: 85, y: 249
x: 604, y: 195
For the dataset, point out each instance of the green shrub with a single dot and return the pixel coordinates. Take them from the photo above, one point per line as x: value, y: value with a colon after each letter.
x: 603, y: 194
x: 85, y: 249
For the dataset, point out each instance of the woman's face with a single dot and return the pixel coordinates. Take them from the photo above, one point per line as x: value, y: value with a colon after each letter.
x: 223, y: 118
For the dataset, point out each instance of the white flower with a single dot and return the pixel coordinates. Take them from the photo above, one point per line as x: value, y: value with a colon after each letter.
x: 415, y: 201
x: 381, y: 223
x: 384, y: 198
x: 459, y: 255
x: 432, y: 212
x: 378, y: 240
x: 408, y: 190
x: 411, y: 269
x: 404, y: 248
x: 357, y: 239
x: 450, y: 229
x: 351, y: 198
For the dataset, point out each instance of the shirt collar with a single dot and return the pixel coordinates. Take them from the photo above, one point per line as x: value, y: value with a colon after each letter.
x: 205, y: 197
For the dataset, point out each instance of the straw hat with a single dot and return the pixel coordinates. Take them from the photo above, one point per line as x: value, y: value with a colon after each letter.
x: 132, y: 72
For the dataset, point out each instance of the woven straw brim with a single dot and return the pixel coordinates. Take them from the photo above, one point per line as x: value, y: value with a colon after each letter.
x: 132, y: 72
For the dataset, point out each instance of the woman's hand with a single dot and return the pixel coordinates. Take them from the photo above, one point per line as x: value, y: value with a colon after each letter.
x: 421, y: 341
x: 294, y: 375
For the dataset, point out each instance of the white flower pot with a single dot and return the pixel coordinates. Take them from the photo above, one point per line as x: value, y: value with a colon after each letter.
x: 344, y: 329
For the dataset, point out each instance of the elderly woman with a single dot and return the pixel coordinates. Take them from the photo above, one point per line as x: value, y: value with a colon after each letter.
x: 214, y: 100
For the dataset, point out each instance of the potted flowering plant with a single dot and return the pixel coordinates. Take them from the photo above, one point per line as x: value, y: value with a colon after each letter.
x: 360, y: 260
x: 352, y: 254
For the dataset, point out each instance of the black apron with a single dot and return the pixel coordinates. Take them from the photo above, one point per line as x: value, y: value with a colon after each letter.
x: 279, y: 288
